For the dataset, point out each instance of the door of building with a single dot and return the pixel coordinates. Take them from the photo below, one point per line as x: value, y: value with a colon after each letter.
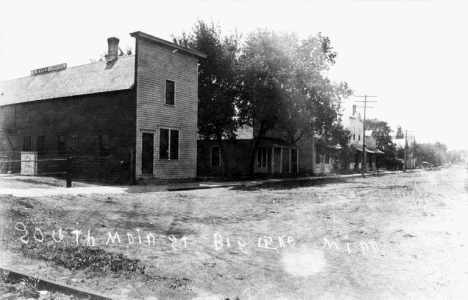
x: 322, y: 163
x: 147, y: 155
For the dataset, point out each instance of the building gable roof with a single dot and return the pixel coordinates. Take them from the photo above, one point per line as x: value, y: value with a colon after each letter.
x: 92, y: 78
x: 142, y: 35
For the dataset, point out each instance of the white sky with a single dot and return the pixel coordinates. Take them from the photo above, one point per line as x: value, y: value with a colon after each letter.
x: 413, y: 55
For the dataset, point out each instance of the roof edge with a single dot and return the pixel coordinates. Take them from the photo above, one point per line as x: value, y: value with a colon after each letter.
x: 69, y: 96
x: 142, y: 35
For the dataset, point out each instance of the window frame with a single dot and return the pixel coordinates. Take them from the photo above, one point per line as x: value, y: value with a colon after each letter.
x: 173, y: 92
x: 169, y: 146
x: 263, y: 157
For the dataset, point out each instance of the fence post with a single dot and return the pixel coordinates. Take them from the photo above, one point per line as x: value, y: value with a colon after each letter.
x: 132, y: 167
x: 69, y: 171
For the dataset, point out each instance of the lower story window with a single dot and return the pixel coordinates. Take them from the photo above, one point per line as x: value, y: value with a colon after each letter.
x: 27, y: 143
x: 168, y: 144
x: 41, y: 144
x: 104, y: 149
x: 262, y: 157
x: 3, y: 142
x: 61, y: 144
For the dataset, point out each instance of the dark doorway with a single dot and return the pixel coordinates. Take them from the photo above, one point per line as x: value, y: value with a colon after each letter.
x: 41, y: 144
x: 147, y: 155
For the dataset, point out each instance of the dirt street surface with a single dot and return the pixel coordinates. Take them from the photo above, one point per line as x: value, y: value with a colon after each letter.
x: 397, y: 236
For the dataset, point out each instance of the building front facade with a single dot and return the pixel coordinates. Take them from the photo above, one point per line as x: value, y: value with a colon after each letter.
x: 355, y: 124
x: 141, y: 110
x: 273, y: 155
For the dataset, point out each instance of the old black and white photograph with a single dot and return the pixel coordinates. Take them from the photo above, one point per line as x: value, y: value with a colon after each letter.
x: 233, y: 149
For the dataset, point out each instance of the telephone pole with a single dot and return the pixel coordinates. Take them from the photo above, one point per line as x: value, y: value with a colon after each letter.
x: 406, y: 150
x: 364, y: 162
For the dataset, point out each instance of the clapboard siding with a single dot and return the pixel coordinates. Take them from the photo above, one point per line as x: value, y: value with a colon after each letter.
x: 155, y: 64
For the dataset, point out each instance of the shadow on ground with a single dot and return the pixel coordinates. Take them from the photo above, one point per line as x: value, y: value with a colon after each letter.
x: 290, y: 184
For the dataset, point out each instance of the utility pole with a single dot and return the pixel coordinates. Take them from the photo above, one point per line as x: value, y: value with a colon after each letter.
x: 406, y: 150
x: 364, y: 162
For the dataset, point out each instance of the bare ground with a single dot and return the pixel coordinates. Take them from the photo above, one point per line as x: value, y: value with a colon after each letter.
x: 401, y: 236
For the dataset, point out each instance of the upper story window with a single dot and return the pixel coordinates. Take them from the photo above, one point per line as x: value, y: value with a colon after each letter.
x: 170, y: 92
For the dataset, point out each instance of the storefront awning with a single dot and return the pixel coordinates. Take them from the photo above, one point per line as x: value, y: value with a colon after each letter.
x: 359, y: 148
x: 378, y: 151
x: 336, y: 147
x: 375, y: 150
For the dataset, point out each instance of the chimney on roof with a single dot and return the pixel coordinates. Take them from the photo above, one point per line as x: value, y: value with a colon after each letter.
x: 113, y: 52
x: 354, y: 109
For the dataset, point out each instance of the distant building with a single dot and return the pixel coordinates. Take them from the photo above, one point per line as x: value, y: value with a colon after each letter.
x: 141, y: 109
x: 354, y: 123
x: 273, y: 156
x: 405, y: 143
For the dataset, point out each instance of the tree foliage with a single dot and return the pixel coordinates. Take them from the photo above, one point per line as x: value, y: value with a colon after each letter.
x: 103, y: 57
x: 217, y: 82
x: 283, y: 85
x: 344, y: 156
x: 435, y: 154
x: 457, y: 156
x: 381, y: 132
x: 217, y: 79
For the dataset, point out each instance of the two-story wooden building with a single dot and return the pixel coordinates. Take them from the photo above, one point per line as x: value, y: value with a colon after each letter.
x: 355, y: 123
x: 144, y: 104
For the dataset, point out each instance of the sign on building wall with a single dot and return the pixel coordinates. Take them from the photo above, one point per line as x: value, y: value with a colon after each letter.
x: 49, y: 69
x: 28, y: 163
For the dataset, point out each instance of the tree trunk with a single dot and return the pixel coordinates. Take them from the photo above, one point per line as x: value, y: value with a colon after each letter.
x: 224, y: 157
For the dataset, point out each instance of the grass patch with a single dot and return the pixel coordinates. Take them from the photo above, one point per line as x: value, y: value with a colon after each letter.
x: 94, y: 261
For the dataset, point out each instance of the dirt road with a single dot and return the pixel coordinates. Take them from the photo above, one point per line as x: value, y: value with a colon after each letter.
x: 401, y: 236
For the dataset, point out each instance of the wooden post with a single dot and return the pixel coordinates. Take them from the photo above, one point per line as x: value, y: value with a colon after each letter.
x: 69, y: 172
x: 313, y: 155
x: 132, y: 166
x: 273, y: 160
x: 297, y: 161
x: 281, y: 161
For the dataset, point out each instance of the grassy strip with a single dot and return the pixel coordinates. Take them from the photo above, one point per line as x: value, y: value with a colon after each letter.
x: 94, y: 261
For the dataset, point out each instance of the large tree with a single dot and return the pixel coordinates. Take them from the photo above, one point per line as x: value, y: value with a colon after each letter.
x: 344, y: 156
x: 217, y: 82
x: 434, y: 154
x: 381, y: 131
x: 284, y: 87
